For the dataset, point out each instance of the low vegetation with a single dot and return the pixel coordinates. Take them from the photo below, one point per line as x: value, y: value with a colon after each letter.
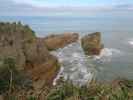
x: 11, y: 80
x: 118, y: 90
x: 16, y: 85
x: 16, y: 27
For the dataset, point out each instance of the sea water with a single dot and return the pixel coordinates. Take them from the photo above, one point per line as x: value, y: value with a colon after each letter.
x: 115, y: 60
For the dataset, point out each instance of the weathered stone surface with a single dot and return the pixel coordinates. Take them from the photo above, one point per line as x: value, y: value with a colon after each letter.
x: 19, y: 42
x: 1, y: 97
x: 59, y: 41
x: 91, y: 44
x: 12, y: 40
x: 40, y: 63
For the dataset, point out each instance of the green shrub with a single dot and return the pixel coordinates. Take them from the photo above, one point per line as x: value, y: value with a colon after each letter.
x: 10, y: 77
x: 96, y: 91
x: 64, y: 90
x: 16, y: 27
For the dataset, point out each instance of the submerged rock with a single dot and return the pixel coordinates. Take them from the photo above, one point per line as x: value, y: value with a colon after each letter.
x: 54, y: 42
x: 91, y: 44
x: 30, y: 53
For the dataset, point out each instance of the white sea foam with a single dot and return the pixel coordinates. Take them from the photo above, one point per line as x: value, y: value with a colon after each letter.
x: 107, y: 54
x: 130, y: 41
x: 58, y: 76
x: 75, y: 64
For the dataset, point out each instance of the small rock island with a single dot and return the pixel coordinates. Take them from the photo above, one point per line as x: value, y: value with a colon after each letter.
x: 92, y: 44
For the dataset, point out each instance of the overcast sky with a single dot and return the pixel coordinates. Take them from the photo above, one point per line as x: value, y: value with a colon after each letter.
x: 65, y: 7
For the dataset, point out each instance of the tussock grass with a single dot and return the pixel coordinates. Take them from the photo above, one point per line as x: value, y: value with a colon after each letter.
x: 12, y: 86
x: 120, y: 89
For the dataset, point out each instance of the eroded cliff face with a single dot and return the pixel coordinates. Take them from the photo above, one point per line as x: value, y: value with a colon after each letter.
x: 40, y: 63
x: 54, y: 42
x: 13, y: 37
x: 92, y: 44
x: 30, y: 54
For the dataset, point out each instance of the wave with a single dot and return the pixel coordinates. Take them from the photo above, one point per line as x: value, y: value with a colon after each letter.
x: 107, y: 54
x: 78, y: 67
x: 75, y: 65
x: 130, y: 41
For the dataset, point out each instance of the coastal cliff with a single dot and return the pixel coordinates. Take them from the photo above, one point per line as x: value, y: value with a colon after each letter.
x: 23, y: 53
x: 32, y: 53
x: 19, y: 42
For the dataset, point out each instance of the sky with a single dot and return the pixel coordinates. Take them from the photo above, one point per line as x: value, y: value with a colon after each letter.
x: 65, y: 7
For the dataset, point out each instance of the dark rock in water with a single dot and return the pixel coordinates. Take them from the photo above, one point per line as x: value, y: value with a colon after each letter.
x: 30, y: 53
x: 91, y: 44
x: 54, y: 42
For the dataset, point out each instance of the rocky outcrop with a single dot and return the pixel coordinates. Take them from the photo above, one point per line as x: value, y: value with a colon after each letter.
x: 40, y: 63
x: 30, y: 54
x: 13, y: 37
x: 54, y: 42
x: 91, y: 44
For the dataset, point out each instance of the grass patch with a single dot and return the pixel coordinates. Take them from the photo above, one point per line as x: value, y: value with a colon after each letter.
x: 11, y: 78
x: 121, y: 89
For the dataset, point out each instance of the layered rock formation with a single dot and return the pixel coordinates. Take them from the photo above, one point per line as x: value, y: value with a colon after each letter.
x: 13, y: 37
x: 20, y: 43
x: 91, y: 44
x: 31, y: 53
x: 54, y: 42
x: 40, y: 63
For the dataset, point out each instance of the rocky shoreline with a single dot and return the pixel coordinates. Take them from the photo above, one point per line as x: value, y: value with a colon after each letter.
x: 31, y: 54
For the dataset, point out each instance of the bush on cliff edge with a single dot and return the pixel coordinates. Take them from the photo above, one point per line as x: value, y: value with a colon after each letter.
x: 10, y: 77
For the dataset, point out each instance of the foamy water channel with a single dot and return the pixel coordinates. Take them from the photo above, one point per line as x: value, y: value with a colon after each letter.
x: 78, y: 67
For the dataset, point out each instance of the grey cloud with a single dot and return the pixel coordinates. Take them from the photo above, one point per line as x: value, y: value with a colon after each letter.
x: 123, y: 6
x: 8, y: 7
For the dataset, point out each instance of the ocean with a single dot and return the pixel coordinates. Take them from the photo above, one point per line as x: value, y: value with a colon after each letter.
x: 116, y: 59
